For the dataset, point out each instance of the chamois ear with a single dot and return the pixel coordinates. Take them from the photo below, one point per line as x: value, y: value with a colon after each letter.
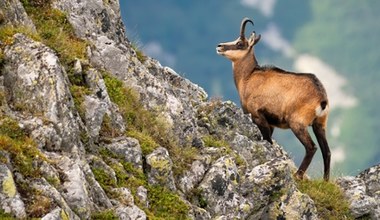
x: 253, y: 39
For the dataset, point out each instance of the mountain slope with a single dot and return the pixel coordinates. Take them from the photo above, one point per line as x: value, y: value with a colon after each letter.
x: 93, y: 129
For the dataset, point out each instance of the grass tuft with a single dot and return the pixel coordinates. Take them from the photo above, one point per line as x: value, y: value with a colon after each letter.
x: 328, y: 198
x: 165, y: 204
x: 7, y: 32
x: 108, y: 214
x: 22, y: 149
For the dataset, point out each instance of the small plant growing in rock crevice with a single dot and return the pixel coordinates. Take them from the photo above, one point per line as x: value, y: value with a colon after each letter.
x: 211, y: 141
x: 140, y: 55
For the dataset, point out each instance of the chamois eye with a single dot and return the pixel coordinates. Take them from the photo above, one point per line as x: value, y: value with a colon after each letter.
x: 239, y: 45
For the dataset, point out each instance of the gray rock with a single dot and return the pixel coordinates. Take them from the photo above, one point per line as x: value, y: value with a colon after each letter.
x: 292, y: 205
x: 158, y: 87
x: 225, y: 120
x: 12, y: 13
x: 159, y: 168
x: 125, y: 207
x: 256, y: 152
x: 43, y: 133
x: 98, y: 105
x: 219, y: 190
x: 95, y: 110
x: 363, y: 192
x: 51, y: 192
x: 127, y: 148
x: 142, y: 195
x: 130, y: 213
x: 96, y: 192
x: 75, y: 187
x: 94, y: 18
x: 266, y: 183
x: 371, y: 179
x: 56, y: 214
x: 36, y: 83
x: 194, y: 176
x: 124, y: 196
x: 10, y: 200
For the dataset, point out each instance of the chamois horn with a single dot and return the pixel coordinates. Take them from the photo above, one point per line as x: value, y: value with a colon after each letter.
x: 242, y: 26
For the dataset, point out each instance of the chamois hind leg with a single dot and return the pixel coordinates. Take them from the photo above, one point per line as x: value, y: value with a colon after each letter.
x: 319, y: 131
x: 303, y: 136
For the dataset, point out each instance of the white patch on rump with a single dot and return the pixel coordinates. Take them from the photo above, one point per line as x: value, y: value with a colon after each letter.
x: 321, y: 112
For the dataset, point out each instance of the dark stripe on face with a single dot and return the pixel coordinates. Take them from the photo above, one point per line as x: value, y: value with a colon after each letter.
x: 240, y: 45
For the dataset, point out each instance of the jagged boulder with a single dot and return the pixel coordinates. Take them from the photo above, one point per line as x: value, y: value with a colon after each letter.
x: 37, y: 84
x: 92, y: 18
x: 159, y: 168
x: 363, y: 192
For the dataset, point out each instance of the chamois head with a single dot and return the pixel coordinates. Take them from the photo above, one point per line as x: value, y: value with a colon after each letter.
x: 240, y: 47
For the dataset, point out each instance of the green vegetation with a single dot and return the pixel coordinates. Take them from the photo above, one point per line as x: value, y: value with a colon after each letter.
x: 104, y: 215
x: 134, y: 113
x: 78, y: 93
x: 38, y: 205
x: 211, y: 141
x: 165, y: 204
x: 55, y: 31
x: 24, y: 155
x: 140, y: 55
x: 147, y: 143
x: 150, y: 128
x: 328, y: 198
x: 6, y: 216
x: 22, y: 149
x: 104, y: 179
x: 7, y: 32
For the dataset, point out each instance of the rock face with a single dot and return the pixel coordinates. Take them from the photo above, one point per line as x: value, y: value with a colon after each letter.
x: 363, y: 193
x: 75, y: 144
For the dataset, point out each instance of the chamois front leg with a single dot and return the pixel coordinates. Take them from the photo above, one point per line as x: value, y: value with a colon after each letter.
x: 304, y: 137
x: 264, y: 127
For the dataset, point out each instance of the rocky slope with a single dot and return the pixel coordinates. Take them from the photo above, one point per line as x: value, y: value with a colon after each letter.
x: 93, y: 129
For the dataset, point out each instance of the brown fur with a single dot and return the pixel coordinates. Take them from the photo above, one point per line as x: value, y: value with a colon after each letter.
x: 278, y: 98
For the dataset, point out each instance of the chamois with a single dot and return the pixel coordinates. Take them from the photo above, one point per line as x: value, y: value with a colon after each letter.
x: 279, y: 98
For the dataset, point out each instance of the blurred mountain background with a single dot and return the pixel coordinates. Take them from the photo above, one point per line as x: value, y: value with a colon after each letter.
x: 336, y: 40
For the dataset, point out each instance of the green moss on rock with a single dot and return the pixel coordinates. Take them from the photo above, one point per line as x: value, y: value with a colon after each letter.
x: 166, y: 204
